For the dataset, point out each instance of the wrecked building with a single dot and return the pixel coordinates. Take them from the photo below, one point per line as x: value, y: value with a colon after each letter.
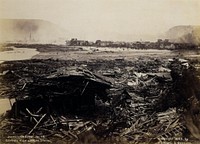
x: 66, y: 90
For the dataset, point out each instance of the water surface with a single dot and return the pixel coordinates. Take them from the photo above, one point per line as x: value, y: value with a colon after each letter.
x: 17, y: 54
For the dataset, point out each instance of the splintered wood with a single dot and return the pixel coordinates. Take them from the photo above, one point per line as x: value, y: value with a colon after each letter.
x: 132, y: 102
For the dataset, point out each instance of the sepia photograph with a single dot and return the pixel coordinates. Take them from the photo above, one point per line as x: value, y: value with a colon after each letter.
x: 99, y: 71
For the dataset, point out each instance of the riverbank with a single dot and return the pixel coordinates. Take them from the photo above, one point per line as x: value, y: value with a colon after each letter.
x: 84, y: 53
x: 3, y: 48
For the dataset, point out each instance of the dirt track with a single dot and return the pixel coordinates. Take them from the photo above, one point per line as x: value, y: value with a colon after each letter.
x: 106, y: 54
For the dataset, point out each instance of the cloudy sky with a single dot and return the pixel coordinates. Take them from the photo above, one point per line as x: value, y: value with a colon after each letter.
x: 107, y: 19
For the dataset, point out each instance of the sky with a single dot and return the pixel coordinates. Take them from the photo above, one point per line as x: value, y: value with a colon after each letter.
x: 107, y: 19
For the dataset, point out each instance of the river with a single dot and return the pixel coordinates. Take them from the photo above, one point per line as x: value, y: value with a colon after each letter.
x: 17, y: 54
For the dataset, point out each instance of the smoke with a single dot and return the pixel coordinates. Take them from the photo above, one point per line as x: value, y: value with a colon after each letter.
x: 26, y: 26
x: 39, y: 31
x: 30, y: 30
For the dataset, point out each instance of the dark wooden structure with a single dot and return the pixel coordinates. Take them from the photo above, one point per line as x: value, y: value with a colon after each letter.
x: 66, y: 90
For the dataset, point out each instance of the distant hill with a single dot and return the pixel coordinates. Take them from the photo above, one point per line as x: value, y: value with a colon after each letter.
x: 31, y: 31
x: 184, y: 34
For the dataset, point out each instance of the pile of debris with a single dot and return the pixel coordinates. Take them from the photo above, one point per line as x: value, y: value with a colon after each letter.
x: 66, y: 90
x: 130, y: 104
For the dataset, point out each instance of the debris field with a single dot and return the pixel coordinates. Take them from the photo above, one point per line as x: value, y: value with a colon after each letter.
x: 118, y: 101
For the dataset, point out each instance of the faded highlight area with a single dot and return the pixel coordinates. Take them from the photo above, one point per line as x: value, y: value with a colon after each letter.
x: 119, y: 20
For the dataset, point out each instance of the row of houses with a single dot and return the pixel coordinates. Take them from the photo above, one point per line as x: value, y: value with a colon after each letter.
x: 160, y: 44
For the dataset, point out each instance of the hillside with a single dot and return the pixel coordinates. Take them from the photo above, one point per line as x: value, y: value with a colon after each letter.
x: 31, y: 31
x: 184, y: 34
